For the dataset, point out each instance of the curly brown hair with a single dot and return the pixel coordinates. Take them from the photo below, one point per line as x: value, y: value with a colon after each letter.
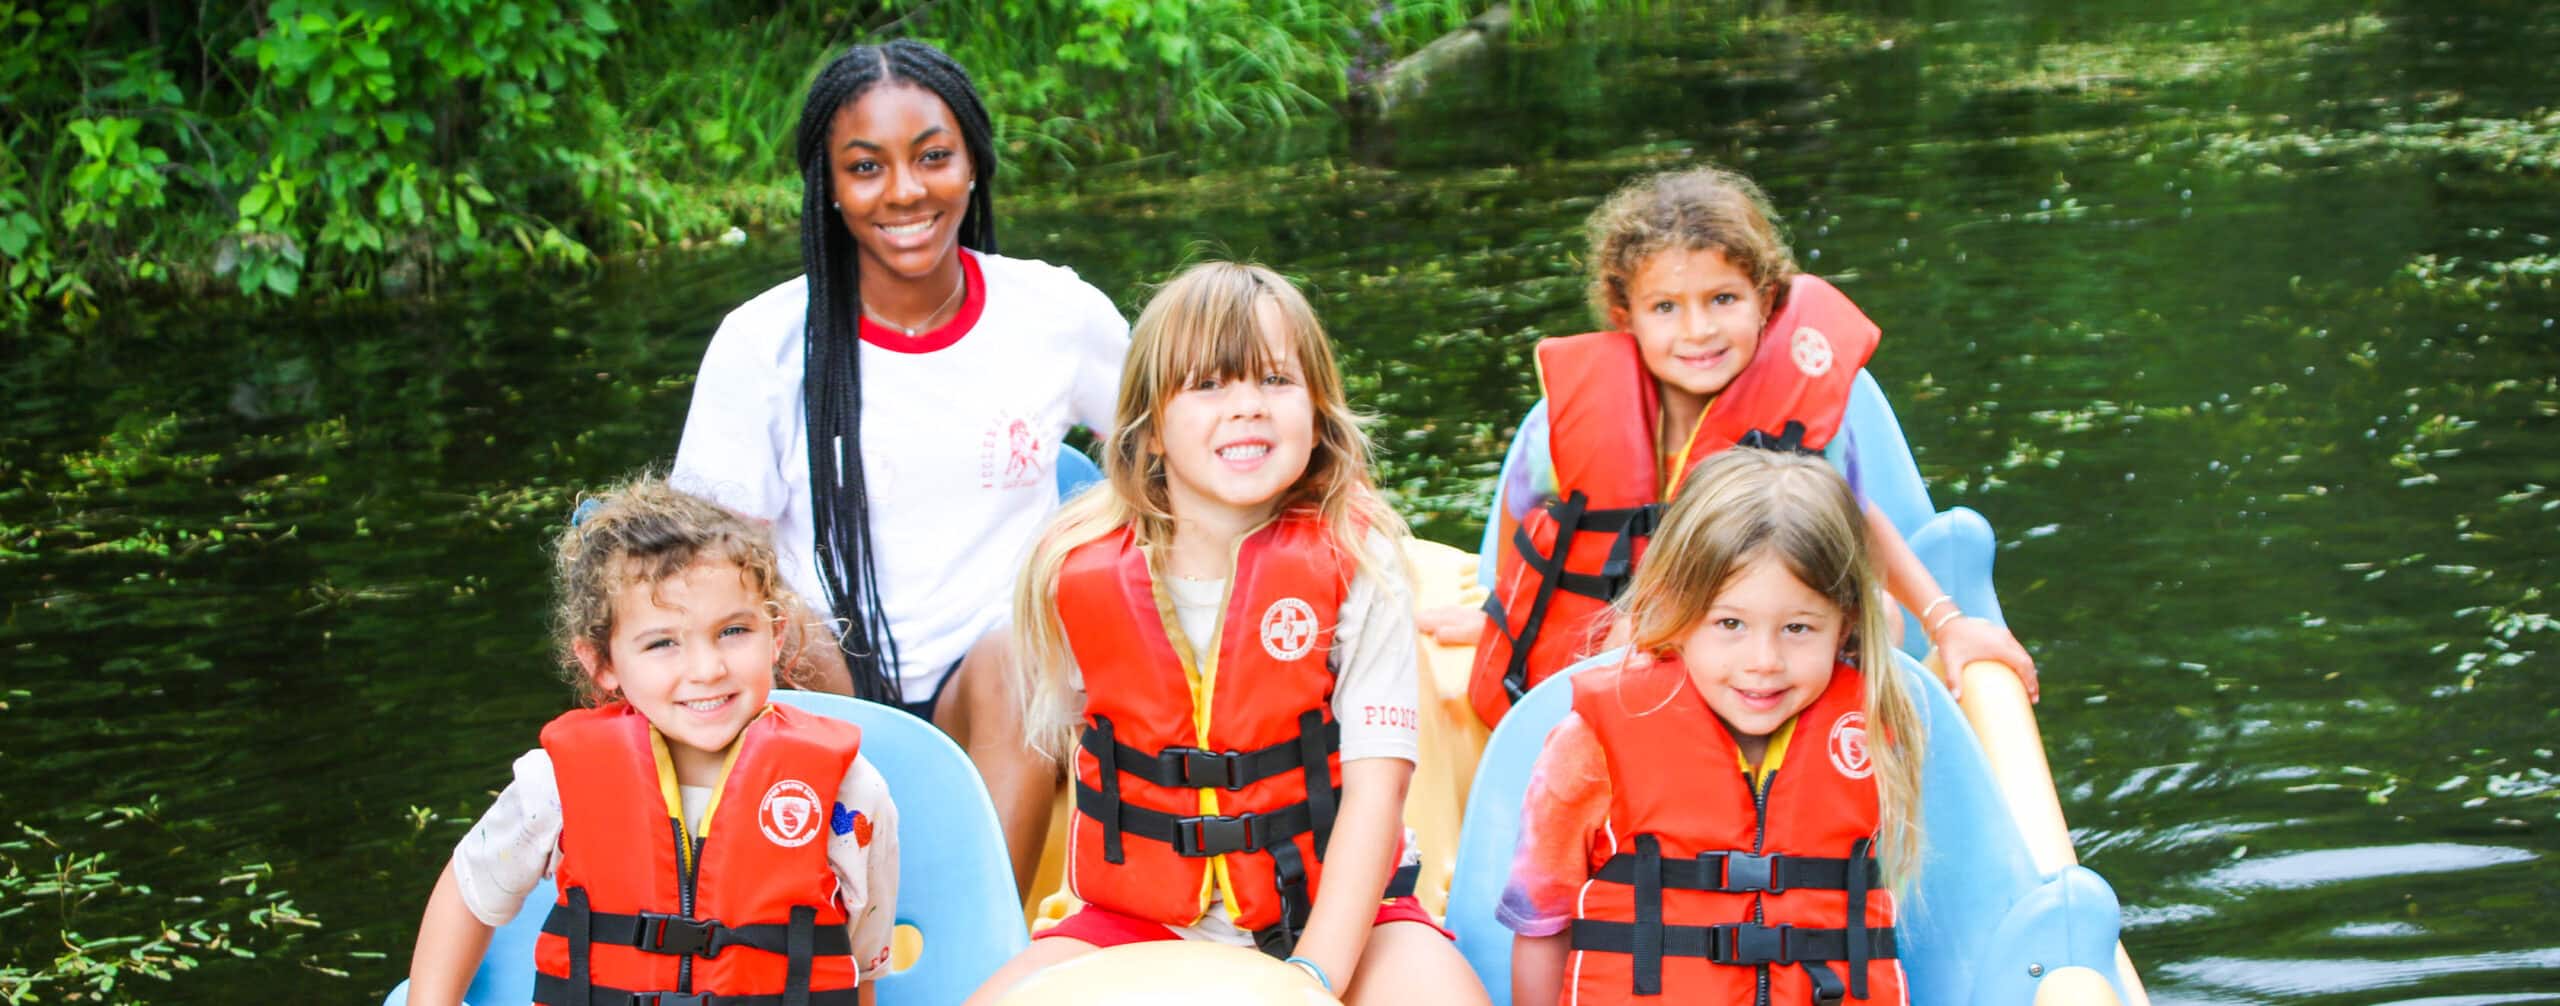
x: 643, y: 531
x: 1705, y: 208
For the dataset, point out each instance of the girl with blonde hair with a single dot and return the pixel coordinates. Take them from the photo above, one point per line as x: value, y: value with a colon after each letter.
x: 1732, y: 808
x: 1219, y: 642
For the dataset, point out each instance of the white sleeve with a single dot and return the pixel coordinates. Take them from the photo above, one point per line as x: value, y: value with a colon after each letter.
x: 731, y: 451
x: 513, y: 846
x: 864, y: 852
x: 1377, y: 683
x: 1103, y: 338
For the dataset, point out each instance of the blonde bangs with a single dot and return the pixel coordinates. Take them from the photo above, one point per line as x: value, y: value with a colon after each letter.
x: 1204, y: 323
x: 1745, y: 504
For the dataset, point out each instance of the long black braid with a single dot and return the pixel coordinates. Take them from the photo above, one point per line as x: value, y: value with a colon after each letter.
x: 831, y: 379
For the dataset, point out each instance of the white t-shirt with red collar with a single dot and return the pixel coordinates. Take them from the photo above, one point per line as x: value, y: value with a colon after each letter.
x: 960, y: 432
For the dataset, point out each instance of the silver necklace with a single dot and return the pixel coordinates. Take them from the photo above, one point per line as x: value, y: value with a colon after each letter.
x: 956, y: 288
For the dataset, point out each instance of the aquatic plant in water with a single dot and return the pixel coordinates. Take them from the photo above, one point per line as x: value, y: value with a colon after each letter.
x: 59, y: 890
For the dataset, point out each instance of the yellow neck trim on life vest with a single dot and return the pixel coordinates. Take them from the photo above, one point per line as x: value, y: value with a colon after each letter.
x: 1678, y: 468
x: 668, y: 786
x: 1769, y: 759
x: 1200, y: 672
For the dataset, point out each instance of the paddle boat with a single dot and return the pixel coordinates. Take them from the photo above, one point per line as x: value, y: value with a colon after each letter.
x: 2002, y: 912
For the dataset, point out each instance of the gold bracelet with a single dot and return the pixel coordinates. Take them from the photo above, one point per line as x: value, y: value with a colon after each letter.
x: 1943, y: 620
x: 1933, y: 605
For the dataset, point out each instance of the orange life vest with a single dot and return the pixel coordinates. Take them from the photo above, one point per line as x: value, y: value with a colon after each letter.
x: 748, y: 913
x: 1568, y: 560
x: 1221, y: 767
x: 1706, y: 887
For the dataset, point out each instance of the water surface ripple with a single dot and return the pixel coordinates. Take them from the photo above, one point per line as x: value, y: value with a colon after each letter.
x: 2236, y: 320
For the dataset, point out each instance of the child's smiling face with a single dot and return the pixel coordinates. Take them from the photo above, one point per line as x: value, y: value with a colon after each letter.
x: 1696, y: 319
x: 694, y: 653
x: 1236, y: 444
x: 1764, y: 652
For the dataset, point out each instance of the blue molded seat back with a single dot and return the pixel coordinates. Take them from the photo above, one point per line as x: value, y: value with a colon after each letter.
x: 1976, y: 876
x: 1887, y: 473
x: 955, y: 884
x: 1075, y: 472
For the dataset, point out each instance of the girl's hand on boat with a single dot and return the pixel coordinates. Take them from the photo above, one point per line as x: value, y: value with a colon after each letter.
x: 1455, y: 625
x: 1969, y: 639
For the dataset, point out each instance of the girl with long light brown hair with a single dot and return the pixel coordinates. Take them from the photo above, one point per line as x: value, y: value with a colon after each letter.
x: 1219, y: 642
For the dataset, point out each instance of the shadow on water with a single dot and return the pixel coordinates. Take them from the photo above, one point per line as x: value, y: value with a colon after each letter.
x: 2238, y: 324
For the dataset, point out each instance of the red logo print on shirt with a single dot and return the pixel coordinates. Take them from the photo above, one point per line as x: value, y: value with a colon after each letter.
x: 1011, y: 455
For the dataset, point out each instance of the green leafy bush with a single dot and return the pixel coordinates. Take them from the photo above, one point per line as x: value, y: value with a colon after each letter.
x: 391, y: 145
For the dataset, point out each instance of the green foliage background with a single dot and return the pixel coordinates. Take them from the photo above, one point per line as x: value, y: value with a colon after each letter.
x: 360, y: 146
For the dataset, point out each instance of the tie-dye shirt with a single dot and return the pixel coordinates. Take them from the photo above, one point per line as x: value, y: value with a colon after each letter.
x: 1567, y: 805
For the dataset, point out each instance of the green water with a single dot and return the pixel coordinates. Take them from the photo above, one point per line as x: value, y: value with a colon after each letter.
x: 2239, y: 325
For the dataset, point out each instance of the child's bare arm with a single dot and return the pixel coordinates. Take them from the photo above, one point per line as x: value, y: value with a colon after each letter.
x: 1960, y: 639
x: 451, y: 942
x: 1537, y: 969
x: 1366, y: 830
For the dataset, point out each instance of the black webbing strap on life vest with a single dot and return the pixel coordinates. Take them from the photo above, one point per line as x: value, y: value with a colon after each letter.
x: 581, y: 939
x: 1738, y: 943
x: 1267, y: 832
x: 1280, y: 939
x: 1106, y: 750
x: 802, y: 944
x: 551, y: 991
x: 1198, y: 768
x: 1648, y: 940
x: 1790, y: 440
x: 1742, y: 872
x: 1573, y: 516
x: 655, y: 933
x: 800, y: 941
x: 1205, y: 835
x: 1860, y: 946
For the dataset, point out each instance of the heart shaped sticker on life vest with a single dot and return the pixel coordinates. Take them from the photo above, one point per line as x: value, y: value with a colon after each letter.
x: 790, y: 815
x: 1849, y: 746
x: 1288, y: 629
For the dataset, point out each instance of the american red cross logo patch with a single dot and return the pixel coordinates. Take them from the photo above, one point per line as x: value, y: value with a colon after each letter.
x: 1288, y: 629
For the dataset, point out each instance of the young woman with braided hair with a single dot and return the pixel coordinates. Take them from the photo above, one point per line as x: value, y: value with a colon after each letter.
x: 896, y: 411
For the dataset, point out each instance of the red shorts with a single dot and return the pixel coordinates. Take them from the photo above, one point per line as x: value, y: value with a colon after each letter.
x: 1103, y: 927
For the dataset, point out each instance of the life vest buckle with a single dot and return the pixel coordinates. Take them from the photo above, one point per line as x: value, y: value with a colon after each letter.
x: 671, y: 999
x: 659, y: 933
x: 1196, y: 837
x: 1747, y: 943
x: 1205, y: 769
x: 1745, y: 871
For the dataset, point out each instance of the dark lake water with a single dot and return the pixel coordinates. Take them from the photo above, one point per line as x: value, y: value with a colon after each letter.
x: 2236, y: 320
